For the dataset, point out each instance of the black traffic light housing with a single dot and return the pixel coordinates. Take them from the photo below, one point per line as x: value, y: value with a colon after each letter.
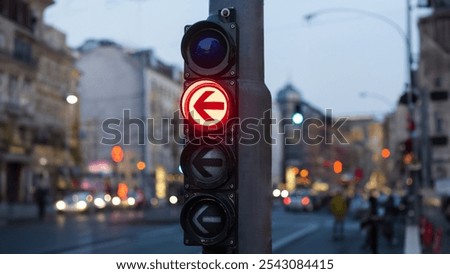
x: 209, y: 47
x: 210, y: 159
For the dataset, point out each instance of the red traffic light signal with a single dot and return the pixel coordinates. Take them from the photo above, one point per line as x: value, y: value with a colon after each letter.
x: 206, y: 105
x: 117, y: 154
x: 337, y: 167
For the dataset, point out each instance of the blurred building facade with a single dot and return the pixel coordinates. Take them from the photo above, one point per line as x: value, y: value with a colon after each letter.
x: 38, y: 129
x: 361, y: 156
x: 396, y: 135
x: 434, y: 82
x: 300, y: 148
x: 141, y: 93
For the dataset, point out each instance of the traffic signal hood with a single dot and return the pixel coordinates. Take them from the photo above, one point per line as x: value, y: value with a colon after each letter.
x: 298, y: 117
x: 209, y: 48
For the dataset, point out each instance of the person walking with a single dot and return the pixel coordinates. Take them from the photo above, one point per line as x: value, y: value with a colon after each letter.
x: 40, y: 196
x: 338, y: 207
x: 371, y: 224
x: 388, y: 227
x: 41, y: 201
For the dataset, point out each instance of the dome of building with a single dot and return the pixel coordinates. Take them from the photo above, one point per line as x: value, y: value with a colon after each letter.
x: 288, y: 94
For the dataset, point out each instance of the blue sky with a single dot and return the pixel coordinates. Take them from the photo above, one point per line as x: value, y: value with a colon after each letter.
x: 331, y: 59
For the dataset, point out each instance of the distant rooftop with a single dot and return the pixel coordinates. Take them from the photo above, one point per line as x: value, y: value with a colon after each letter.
x: 94, y: 43
x: 288, y: 94
x: 145, y: 57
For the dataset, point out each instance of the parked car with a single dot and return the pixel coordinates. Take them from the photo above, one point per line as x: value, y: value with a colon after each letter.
x: 102, y: 200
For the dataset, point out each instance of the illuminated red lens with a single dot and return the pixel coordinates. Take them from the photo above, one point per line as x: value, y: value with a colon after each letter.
x: 305, y: 201
x: 287, y: 201
x: 206, y: 105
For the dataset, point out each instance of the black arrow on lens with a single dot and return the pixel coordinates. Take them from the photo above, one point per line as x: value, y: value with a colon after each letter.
x: 200, y: 162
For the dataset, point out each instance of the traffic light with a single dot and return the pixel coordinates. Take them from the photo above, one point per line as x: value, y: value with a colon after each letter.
x: 385, y: 153
x: 297, y: 117
x: 337, y: 167
x: 209, y: 160
x: 407, y: 151
x: 117, y: 154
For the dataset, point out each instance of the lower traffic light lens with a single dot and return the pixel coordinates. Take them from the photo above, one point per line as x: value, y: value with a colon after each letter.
x: 208, y: 49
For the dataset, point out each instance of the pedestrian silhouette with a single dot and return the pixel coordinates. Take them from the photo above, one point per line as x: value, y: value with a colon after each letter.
x: 371, y: 224
x: 390, y: 213
x: 40, y: 197
x: 338, y: 207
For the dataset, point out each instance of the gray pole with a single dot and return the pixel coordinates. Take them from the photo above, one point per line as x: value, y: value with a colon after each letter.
x: 414, y: 173
x: 254, y: 190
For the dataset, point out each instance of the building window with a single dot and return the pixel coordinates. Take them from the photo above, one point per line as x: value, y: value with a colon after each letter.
x: 441, y: 172
x: 4, y: 7
x: 2, y: 41
x: 439, y: 122
x: 437, y: 82
x: 25, y: 96
x: 13, y: 7
x: 12, y: 90
x: 23, y: 50
x: 2, y: 87
x: 439, y: 95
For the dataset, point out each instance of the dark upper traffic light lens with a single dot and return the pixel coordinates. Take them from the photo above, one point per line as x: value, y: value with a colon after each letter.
x: 208, y: 49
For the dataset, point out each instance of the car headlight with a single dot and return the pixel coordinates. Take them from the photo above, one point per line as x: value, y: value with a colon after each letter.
x: 116, y: 201
x: 107, y: 198
x: 60, y: 205
x: 99, y: 203
x: 81, y: 205
x: 173, y: 200
x: 131, y: 201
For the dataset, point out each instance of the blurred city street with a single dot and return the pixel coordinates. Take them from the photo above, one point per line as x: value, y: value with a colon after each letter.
x: 158, y: 231
x: 256, y: 127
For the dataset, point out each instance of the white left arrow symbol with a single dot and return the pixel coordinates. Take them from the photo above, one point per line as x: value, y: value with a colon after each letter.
x: 196, y: 217
x: 205, y: 219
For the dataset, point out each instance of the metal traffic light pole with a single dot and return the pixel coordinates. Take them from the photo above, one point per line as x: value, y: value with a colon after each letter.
x: 255, y: 201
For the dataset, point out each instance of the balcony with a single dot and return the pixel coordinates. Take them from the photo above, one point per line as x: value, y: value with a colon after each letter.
x: 26, y: 60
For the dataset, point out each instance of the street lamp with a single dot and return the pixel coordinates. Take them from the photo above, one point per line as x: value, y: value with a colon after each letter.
x: 379, y: 97
x: 406, y: 36
x: 71, y: 120
x: 72, y: 99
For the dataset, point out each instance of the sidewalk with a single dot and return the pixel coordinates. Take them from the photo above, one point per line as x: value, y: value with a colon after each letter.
x: 438, y: 221
x: 20, y: 212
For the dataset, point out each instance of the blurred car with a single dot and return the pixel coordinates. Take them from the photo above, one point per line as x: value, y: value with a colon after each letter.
x: 79, y: 202
x: 299, y: 201
x: 102, y: 200
x: 136, y: 199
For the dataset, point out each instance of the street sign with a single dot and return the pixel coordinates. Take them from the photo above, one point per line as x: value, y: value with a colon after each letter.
x: 209, y: 219
x: 206, y: 105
